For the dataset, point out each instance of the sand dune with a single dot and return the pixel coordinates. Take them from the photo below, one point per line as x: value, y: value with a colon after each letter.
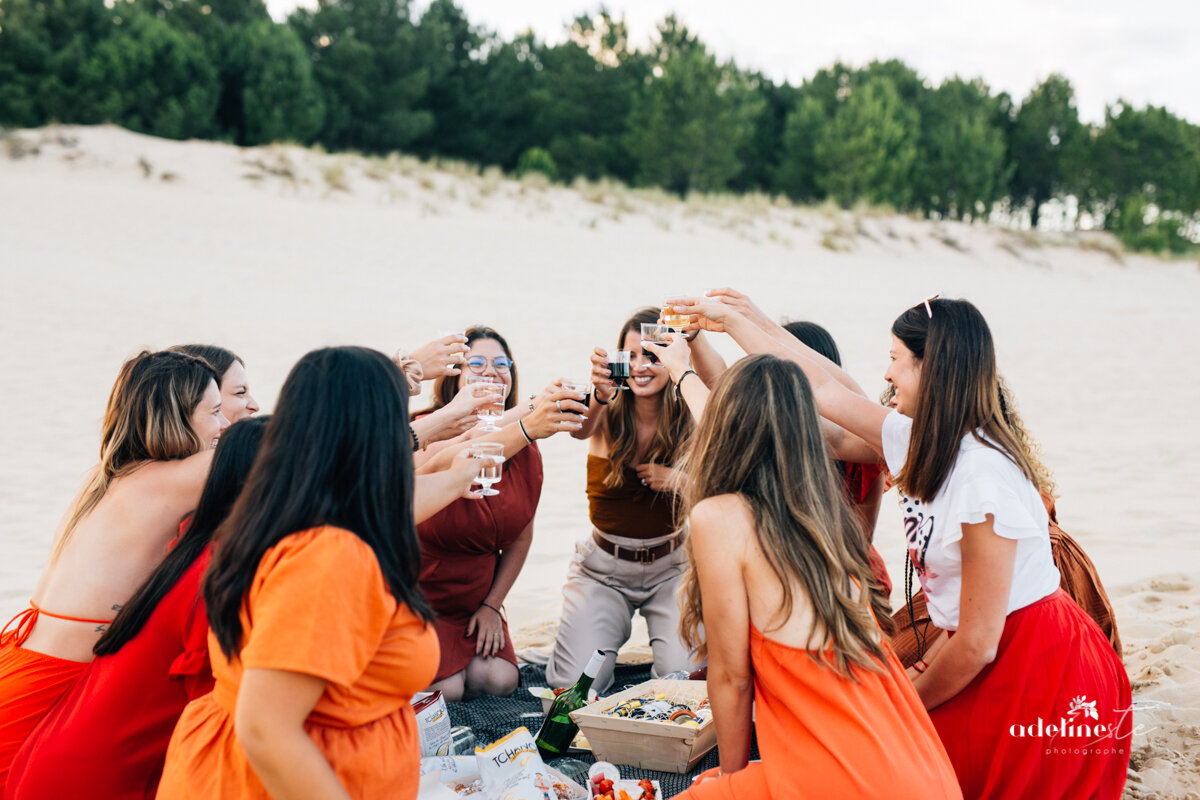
x: 111, y: 241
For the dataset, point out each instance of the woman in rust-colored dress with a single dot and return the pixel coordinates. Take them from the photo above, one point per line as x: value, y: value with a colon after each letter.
x: 473, y: 550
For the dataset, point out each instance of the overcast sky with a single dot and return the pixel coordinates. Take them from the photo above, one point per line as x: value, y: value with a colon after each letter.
x: 1144, y: 52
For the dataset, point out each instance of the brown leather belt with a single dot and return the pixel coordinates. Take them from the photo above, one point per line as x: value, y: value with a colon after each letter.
x: 640, y: 555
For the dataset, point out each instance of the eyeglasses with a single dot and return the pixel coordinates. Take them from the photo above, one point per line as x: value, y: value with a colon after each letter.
x: 478, y: 364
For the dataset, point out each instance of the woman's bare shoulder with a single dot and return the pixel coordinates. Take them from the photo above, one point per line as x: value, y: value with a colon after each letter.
x: 724, y: 517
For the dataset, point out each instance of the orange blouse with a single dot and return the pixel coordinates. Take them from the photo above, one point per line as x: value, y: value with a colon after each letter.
x: 318, y: 605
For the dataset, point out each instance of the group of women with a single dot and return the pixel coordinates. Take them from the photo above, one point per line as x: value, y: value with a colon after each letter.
x: 247, y: 611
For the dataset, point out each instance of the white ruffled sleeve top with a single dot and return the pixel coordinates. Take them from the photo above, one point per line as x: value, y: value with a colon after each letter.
x: 982, y: 481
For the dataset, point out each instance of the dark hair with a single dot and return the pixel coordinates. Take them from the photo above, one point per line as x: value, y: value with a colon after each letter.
x: 816, y: 337
x: 820, y: 340
x: 149, y: 418
x: 231, y: 464
x: 338, y: 451
x: 671, y: 433
x: 760, y: 439
x: 218, y: 358
x: 445, y: 387
x: 958, y: 393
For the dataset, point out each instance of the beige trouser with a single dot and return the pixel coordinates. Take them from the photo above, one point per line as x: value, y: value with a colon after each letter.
x: 599, y: 599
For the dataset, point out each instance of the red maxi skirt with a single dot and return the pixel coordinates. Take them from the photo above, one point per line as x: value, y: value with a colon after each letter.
x: 1050, y: 717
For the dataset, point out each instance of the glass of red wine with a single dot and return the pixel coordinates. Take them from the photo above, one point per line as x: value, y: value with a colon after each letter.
x: 618, y: 365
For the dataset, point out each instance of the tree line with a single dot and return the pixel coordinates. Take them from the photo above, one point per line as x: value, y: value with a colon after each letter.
x: 372, y: 76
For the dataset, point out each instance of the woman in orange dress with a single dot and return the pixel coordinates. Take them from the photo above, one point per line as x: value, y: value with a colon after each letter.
x: 163, y: 419
x: 1025, y: 691
x: 319, y: 633
x: 777, y: 570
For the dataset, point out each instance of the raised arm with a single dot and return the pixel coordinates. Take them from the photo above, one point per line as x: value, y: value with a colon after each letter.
x: 551, y: 414
x: 838, y: 397
x: 177, y: 485
x: 451, y: 420
x: 433, y: 492
x: 675, y: 356
x: 603, y: 392
x: 708, y: 363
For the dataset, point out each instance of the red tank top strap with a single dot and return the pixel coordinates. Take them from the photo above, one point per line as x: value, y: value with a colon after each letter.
x: 22, y: 624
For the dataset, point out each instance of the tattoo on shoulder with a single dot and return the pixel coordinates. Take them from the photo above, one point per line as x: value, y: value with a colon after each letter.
x: 116, y: 606
x: 101, y: 628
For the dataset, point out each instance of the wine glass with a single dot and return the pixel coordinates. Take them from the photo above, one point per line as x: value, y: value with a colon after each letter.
x: 491, y: 458
x: 488, y: 414
x: 618, y: 365
x: 580, y: 387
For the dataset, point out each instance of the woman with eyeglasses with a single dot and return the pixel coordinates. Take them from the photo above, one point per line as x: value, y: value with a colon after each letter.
x: 473, y: 550
x: 1026, y: 693
x: 634, y: 558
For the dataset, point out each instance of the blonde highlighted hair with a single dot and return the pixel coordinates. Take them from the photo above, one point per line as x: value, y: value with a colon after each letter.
x: 148, y: 418
x: 760, y: 439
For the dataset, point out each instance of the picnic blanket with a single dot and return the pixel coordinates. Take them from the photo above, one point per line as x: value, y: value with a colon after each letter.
x: 492, y: 718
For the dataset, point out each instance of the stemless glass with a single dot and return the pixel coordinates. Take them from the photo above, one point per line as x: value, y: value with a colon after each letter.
x: 668, y: 315
x: 582, y: 387
x: 491, y: 458
x: 654, y: 333
x: 618, y: 365
x: 489, y: 413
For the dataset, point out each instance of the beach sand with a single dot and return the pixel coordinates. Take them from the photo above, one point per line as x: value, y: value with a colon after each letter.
x: 111, y: 242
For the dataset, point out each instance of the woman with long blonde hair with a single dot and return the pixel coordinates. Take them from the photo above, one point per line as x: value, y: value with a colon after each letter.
x: 163, y: 419
x: 780, y: 581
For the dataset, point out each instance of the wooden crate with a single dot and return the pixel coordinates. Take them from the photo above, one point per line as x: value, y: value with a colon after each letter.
x: 647, y: 744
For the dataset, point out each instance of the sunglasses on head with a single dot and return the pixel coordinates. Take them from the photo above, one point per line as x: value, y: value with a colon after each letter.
x: 477, y: 364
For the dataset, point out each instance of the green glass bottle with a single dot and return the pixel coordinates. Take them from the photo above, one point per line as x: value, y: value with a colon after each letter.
x: 558, y: 731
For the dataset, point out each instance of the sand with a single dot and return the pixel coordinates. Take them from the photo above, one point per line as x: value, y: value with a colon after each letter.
x: 111, y: 242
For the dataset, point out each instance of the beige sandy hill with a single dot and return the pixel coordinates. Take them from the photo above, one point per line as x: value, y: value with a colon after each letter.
x: 111, y: 241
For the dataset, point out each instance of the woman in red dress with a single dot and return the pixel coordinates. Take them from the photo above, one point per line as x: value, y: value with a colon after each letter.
x: 107, y: 737
x: 473, y: 550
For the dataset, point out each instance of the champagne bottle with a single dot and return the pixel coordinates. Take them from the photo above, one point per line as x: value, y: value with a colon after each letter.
x: 558, y: 731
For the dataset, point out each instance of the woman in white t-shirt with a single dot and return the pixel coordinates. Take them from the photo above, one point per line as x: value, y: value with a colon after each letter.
x: 1029, y: 698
